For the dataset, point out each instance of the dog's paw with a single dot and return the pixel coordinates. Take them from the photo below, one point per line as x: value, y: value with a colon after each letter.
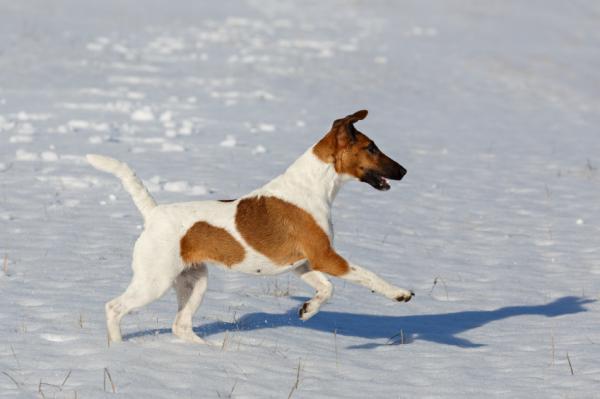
x: 404, y: 296
x: 307, y: 310
x: 186, y: 334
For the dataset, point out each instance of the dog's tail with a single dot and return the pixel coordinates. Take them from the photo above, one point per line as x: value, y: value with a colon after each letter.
x: 134, y: 186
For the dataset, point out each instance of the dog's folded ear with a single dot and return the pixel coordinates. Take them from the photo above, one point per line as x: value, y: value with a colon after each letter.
x: 351, y: 119
x: 358, y: 116
x: 346, y: 133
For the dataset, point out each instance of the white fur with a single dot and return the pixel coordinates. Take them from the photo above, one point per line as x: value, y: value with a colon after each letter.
x: 141, y: 197
x: 308, y: 183
x: 322, y: 286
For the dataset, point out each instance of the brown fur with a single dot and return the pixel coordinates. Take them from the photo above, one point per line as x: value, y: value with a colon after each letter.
x: 205, y: 242
x: 346, y: 148
x: 286, y: 234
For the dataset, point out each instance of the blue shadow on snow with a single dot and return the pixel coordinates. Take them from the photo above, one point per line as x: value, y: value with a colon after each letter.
x: 437, y: 328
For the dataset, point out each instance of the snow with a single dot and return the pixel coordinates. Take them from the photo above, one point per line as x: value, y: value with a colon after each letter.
x: 266, y: 127
x: 142, y: 115
x: 229, y: 141
x: 493, y: 107
x: 259, y: 149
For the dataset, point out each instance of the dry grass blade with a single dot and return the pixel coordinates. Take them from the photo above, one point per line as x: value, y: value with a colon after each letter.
x: 553, y: 348
x: 12, y: 379
x: 277, y: 289
x: 40, y: 390
x: 5, y: 265
x: 435, y: 281
x: 15, y: 356
x: 232, y: 389
x: 112, y: 384
x: 297, y: 383
x: 392, y: 340
x: 66, y: 378
x: 570, y: 365
x: 230, y: 395
x: 337, y: 363
x: 225, y: 338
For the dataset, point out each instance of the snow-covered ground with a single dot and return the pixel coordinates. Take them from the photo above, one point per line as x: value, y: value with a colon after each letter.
x: 492, y: 106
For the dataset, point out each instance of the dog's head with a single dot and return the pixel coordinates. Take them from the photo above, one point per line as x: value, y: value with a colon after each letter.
x: 354, y: 154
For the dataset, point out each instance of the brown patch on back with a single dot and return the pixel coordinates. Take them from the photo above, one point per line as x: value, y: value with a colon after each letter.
x: 205, y: 242
x: 286, y: 234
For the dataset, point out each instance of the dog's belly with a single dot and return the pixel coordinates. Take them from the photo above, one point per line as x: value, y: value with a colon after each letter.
x: 255, y: 263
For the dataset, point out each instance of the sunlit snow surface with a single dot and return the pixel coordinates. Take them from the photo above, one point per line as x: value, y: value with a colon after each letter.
x: 493, y: 107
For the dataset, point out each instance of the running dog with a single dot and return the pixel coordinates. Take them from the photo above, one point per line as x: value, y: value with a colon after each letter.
x: 284, y: 225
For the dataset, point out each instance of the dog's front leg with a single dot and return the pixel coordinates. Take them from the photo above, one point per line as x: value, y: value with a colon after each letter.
x: 322, y: 286
x: 358, y: 275
x: 325, y: 259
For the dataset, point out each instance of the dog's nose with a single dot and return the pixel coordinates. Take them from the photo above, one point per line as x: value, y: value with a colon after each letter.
x: 392, y: 169
x: 402, y: 171
x: 398, y: 173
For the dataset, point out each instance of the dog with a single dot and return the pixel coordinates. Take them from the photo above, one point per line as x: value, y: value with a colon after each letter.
x: 284, y: 225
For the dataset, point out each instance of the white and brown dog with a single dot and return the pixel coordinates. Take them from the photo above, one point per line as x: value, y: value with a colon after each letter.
x: 284, y: 225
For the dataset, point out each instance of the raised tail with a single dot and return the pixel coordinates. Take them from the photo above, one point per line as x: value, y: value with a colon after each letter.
x: 134, y: 186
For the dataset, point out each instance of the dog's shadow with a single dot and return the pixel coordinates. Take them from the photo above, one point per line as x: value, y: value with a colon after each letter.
x: 439, y: 328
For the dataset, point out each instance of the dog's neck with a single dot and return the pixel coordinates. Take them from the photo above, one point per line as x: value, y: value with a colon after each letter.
x: 309, y: 176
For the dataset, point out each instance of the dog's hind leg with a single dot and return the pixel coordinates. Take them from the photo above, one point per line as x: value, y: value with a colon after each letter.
x: 153, y: 274
x: 323, y: 287
x: 140, y: 292
x: 190, y: 286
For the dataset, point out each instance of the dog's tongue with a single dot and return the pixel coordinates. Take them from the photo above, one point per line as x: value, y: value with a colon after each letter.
x: 384, y: 184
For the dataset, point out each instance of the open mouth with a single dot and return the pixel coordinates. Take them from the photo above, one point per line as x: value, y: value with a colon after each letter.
x: 382, y: 184
x: 376, y: 180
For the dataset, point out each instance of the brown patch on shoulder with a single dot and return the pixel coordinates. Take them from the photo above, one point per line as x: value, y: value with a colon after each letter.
x: 286, y: 234
x: 205, y: 242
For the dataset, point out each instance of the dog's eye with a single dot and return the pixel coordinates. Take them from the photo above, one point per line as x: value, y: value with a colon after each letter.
x: 372, y: 148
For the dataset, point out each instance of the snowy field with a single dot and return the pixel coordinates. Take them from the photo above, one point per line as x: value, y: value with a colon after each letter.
x: 492, y: 106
